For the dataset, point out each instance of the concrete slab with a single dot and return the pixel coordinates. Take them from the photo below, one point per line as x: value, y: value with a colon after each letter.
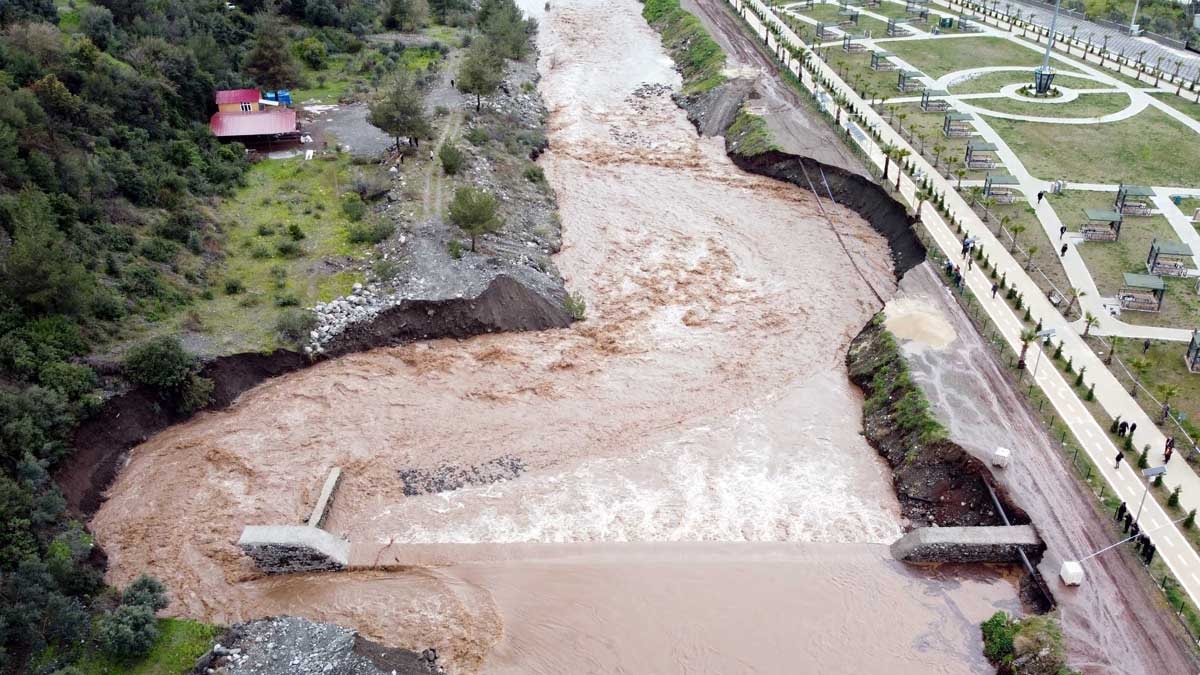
x: 280, y: 549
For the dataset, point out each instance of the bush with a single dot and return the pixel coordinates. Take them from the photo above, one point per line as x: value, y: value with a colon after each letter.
x: 576, y: 306
x: 477, y: 136
x: 452, y: 158
x: 1173, y: 500
x: 260, y: 252
x: 286, y: 300
x: 295, y: 232
x: 265, y: 230
x: 294, y: 325
x: 128, y: 631
x: 233, y: 286
x: 534, y: 174
x: 289, y: 249
x: 160, y: 362
x: 147, y: 592
x: 353, y: 206
x: 456, y: 249
x: 72, y: 380
x: 196, y: 393
x: 370, y: 232
x: 998, y: 633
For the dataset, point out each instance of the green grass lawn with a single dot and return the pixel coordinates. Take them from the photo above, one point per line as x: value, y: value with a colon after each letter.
x: 1166, y: 367
x: 1087, y: 105
x: 180, y: 643
x: 255, y: 224
x: 1186, y: 107
x: 1138, y: 150
x: 938, y: 57
x: 829, y: 15
x: 1033, y: 238
x: 993, y: 82
x: 928, y: 128
x: 855, y: 69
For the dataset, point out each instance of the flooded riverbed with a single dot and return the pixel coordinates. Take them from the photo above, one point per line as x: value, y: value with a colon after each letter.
x: 703, y: 400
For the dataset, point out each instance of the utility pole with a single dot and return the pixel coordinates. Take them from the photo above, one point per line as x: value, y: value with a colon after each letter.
x: 1135, y: 29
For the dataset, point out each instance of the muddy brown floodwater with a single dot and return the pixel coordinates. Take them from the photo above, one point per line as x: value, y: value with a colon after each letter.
x: 692, y: 449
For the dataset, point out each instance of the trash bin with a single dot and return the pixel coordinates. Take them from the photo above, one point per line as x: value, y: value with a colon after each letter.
x: 1178, y: 199
x: 946, y: 22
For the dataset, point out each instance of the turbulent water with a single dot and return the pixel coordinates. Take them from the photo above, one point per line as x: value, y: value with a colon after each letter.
x: 704, y: 400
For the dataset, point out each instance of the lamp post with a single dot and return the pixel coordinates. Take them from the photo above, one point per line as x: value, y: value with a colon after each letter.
x: 1134, y: 29
x: 1071, y: 571
x: 1148, y: 474
x: 1044, y: 74
x: 1045, y: 336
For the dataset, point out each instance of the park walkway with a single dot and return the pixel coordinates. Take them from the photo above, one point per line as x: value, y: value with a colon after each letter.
x: 1094, y: 440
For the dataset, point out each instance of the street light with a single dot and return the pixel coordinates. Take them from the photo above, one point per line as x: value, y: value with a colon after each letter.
x: 1148, y: 474
x: 1044, y: 75
x: 1045, y: 335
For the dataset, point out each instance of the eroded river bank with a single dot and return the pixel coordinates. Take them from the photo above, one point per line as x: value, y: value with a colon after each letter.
x: 694, y: 445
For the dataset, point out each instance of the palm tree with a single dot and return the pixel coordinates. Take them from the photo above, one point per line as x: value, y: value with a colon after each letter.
x: 1089, y: 320
x: 1004, y: 221
x: 974, y: 193
x: 938, y: 149
x: 1029, y: 253
x: 1112, y: 348
x: 1140, y: 366
x: 988, y: 203
x: 1076, y: 294
x: 923, y: 195
x: 900, y: 122
x: 1016, y: 230
x: 1166, y: 392
x: 887, y: 149
x: 1028, y: 335
x: 961, y: 173
x: 898, y: 154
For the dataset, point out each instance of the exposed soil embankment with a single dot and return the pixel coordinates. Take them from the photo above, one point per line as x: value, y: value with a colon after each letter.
x: 937, y: 482
x: 132, y: 417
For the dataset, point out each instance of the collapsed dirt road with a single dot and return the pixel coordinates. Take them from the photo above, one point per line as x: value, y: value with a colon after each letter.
x: 1112, y: 623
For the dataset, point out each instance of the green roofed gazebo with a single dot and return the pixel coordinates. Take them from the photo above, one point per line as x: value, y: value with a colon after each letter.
x: 880, y: 61
x: 1192, y: 357
x: 1168, y: 257
x: 977, y: 155
x: 907, y: 80
x: 957, y: 124
x: 1141, y: 292
x: 1101, y: 225
x: 1138, y: 205
x: 897, y: 27
x: 851, y: 43
x: 1000, y: 188
x: 934, y: 100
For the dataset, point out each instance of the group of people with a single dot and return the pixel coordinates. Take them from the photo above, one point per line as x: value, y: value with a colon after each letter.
x: 1141, y: 541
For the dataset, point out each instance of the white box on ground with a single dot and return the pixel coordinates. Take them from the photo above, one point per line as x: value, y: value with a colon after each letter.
x: 1071, y: 573
x: 1001, y: 457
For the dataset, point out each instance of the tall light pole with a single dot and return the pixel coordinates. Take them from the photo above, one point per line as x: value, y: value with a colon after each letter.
x: 1134, y: 29
x: 1149, y: 474
x: 1044, y: 74
x: 1071, y: 571
x: 1045, y: 337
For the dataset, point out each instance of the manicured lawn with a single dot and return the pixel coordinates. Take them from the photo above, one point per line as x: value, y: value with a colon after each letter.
x: 989, y: 82
x: 1142, y: 150
x: 855, y: 69
x: 938, y: 57
x: 1166, y: 368
x: 1186, y: 107
x: 1045, y: 252
x: 179, y: 644
x: 829, y: 15
x: 1087, y: 105
x: 928, y: 128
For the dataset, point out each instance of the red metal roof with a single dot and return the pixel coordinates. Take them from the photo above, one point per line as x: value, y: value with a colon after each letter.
x: 237, y: 96
x: 266, y: 123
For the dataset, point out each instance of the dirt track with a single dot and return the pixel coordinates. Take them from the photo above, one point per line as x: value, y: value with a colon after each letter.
x: 1113, y: 623
x: 794, y: 124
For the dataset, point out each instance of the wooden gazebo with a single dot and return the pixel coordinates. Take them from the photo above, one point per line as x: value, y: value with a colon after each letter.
x: 907, y: 81
x: 980, y: 155
x: 957, y: 125
x: 823, y: 32
x: 1192, y: 357
x: 881, y: 62
x: 967, y: 24
x: 934, y: 100
x: 914, y: 6
x: 1101, y: 225
x: 847, y: 16
x: 1141, y: 293
x: 1000, y: 188
x: 1138, y: 205
x: 852, y: 44
x: 897, y: 27
x: 1168, y: 257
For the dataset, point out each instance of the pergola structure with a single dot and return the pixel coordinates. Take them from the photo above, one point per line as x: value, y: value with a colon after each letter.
x: 1168, y: 257
x: 966, y: 24
x: 920, y: 16
x: 915, y: 6
x: 1000, y: 188
x: 1139, y: 205
x: 851, y: 44
x: 881, y: 62
x: 823, y: 32
x: 1101, y: 225
x: 1141, y: 292
x: 897, y: 27
x: 1192, y: 357
x: 847, y: 16
x: 979, y: 155
x: 934, y: 100
x: 957, y: 125
x: 907, y: 81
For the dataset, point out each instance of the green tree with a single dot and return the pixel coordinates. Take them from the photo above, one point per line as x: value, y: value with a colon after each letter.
x: 1028, y: 335
x: 269, y: 62
x: 147, y: 592
x: 127, y: 631
x: 481, y: 72
x: 406, y: 14
x: 474, y: 210
x: 452, y: 158
x: 159, y: 362
x: 1089, y: 320
x: 399, y: 109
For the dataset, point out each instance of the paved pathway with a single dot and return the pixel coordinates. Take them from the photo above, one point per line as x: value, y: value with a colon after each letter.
x: 1179, y: 556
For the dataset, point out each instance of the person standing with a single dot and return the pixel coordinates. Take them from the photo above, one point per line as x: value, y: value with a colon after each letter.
x: 1063, y: 251
x: 1120, y: 456
x: 1145, y: 346
x: 1062, y: 231
x: 995, y: 287
x: 1041, y: 195
x: 1121, y: 511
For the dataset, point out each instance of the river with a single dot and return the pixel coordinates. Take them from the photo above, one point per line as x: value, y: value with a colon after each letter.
x: 694, y: 494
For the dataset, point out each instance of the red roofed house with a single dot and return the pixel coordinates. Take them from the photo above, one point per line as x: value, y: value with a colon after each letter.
x: 240, y: 113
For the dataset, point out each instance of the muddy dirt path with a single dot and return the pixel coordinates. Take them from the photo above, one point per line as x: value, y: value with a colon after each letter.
x: 1112, y: 623
x: 704, y: 399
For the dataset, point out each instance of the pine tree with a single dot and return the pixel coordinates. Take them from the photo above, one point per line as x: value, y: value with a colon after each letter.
x: 481, y: 72
x: 399, y: 109
x: 270, y: 63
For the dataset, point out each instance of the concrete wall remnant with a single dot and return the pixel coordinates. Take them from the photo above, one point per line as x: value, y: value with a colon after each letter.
x: 281, y: 549
x: 967, y: 544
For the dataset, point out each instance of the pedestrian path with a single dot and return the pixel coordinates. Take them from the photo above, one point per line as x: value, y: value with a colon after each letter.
x: 1178, y: 555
